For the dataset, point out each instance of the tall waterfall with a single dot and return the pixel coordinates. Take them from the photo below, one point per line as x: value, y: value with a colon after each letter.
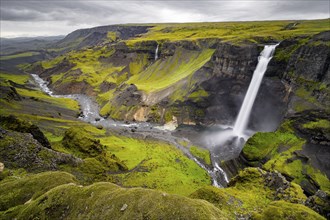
x: 156, y: 52
x: 245, y: 111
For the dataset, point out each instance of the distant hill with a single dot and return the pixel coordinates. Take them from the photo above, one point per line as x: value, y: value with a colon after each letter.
x: 19, y: 44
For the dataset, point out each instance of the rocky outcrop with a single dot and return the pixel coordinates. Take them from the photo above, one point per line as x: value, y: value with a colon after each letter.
x: 73, y: 88
x: 61, y: 67
x: 129, y: 96
x: 105, y: 200
x: 21, y: 150
x: 94, y: 36
x: 299, y: 150
x: 15, y: 124
x: 310, y: 62
x: 253, y: 191
x: 84, y: 145
x: 9, y: 93
x: 320, y: 202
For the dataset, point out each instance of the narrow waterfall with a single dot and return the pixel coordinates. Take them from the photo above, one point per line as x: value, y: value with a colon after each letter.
x: 156, y: 52
x: 244, y: 113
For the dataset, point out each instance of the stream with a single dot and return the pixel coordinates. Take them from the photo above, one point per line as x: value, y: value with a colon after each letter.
x: 90, y: 114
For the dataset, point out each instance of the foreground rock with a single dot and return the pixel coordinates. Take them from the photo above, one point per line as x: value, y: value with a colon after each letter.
x: 21, y: 150
x: 299, y: 150
x: 84, y: 145
x: 251, y: 192
x: 15, y: 124
x: 103, y: 201
x: 19, y: 191
x: 58, y: 195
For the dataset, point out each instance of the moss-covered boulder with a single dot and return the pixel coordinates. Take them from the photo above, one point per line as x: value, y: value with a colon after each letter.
x: 285, y: 210
x: 252, y: 189
x: 17, y: 191
x: 298, y: 150
x: 82, y: 143
x: 98, y: 163
x: 99, y: 168
x: 320, y: 202
x: 108, y: 201
x: 21, y: 150
x: 15, y: 124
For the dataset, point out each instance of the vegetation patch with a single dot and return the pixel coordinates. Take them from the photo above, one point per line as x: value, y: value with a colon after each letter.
x: 17, y: 191
x: 108, y: 201
x: 280, y: 150
x: 201, y: 154
x: 285, y: 210
x: 251, y: 190
x: 17, y: 78
x: 234, y: 32
x: 164, y: 73
x: 264, y: 145
x: 19, y: 55
x: 156, y: 165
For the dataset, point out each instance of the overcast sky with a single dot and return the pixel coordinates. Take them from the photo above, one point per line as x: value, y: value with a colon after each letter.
x: 60, y: 17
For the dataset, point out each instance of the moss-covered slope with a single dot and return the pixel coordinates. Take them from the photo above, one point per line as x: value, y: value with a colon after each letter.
x: 295, y: 150
x: 250, y: 196
x: 98, y: 201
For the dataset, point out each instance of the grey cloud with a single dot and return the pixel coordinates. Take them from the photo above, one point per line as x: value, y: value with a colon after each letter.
x: 52, y: 10
x: 71, y: 14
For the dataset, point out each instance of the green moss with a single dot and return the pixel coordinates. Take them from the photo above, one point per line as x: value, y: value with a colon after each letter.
x: 103, y: 98
x: 156, y: 165
x: 98, y: 168
x: 82, y: 143
x: 18, y: 191
x: 184, y: 143
x: 262, y: 145
x: 92, y: 166
x: 17, y: 78
x: 225, y: 201
x: 19, y: 55
x: 105, y: 110
x: 47, y: 64
x: 278, y: 150
x: 234, y: 32
x: 198, y: 95
x: 305, y: 94
x: 105, y: 201
x: 247, y: 192
x: 321, y: 123
x: 112, y: 36
x: 94, y: 72
x: 40, y: 96
x: 181, y: 65
x: 201, y: 154
x: 138, y: 65
x: 119, y: 112
x: 284, y: 54
x: 284, y: 210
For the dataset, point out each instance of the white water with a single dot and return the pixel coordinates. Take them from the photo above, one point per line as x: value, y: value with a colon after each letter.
x: 245, y: 111
x: 156, y: 52
x: 89, y: 108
